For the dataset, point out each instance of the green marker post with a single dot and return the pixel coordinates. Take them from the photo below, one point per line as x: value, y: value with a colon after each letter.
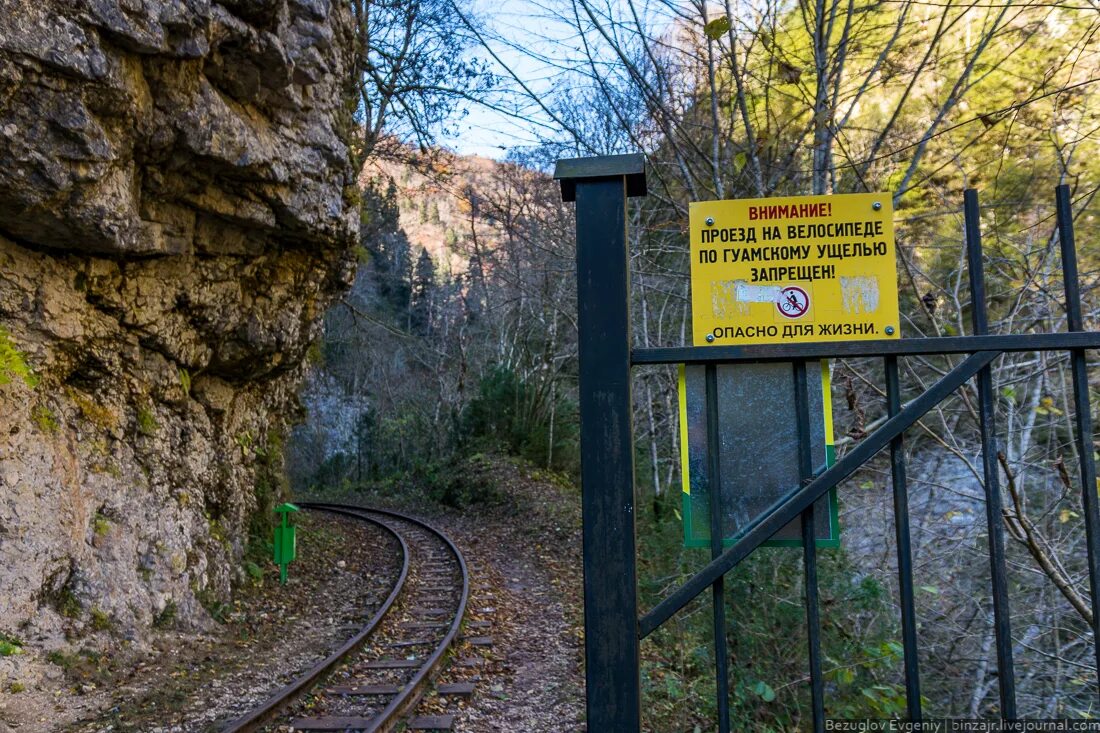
x: 285, y: 540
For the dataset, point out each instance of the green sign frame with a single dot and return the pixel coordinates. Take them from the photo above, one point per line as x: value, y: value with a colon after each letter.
x: 695, y: 505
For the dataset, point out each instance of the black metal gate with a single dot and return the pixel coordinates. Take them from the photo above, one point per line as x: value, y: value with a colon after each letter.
x: 613, y: 626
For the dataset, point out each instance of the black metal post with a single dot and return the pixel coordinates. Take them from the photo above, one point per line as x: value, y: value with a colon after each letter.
x: 809, y: 544
x: 1081, y: 407
x: 600, y: 187
x: 718, y: 589
x: 905, y: 551
x: 1001, y: 622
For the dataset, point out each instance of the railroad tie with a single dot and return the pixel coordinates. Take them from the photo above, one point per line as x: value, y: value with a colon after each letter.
x: 334, y: 722
x: 414, y: 642
x: 478, y: 640
x: 391, y: 664
x: 423, y: 625
x: 432, y: 722
x: 364, y: 690
x: 456, y: 688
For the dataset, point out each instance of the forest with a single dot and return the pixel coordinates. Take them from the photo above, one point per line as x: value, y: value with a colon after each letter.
x: 459, y: 335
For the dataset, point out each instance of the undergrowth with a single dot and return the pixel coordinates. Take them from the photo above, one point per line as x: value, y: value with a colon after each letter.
x: 460, y: 483
x: 507, y: 415
x: 765, y: 637
x: 10, y: 645
x: 13, y: 365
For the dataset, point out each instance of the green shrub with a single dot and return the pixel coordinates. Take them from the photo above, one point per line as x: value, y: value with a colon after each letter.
x: 67, y: 604
x: 166, y: 617
x: 254, y: 571
x: 767, y: 637
x: 12, y: 363
x: 521, y: 418
x: 101, y: 525
x: 217, y: 608
x: 61, y: 659
x: 147, y: 421
x: 10, y: 646
x: 101, y: 620
x: 462, y: 483
x: 45, y: 419
x: 270, y: 489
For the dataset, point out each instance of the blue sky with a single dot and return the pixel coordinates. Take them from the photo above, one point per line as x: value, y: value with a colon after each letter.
x: 527, y: 36
x: 526, y: 24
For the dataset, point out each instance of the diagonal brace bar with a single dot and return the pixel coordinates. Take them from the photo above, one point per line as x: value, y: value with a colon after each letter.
x: 794, y: 503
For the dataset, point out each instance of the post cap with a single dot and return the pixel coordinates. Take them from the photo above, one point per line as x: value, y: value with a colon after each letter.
x: 631, y: 166
x: 287, y: 507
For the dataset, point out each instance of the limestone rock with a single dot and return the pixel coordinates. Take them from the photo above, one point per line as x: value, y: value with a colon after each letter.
x: 176, y: 212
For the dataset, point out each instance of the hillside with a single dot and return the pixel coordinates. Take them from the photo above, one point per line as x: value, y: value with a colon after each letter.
x: 457, y: 253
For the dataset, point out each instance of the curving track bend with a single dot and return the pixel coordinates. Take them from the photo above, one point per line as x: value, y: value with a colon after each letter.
x: 375, y: 680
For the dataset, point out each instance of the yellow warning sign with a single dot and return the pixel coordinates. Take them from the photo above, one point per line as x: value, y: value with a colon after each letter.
x: 793, y: 269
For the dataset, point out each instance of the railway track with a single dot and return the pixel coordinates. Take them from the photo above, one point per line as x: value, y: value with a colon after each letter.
x: 378, y: 677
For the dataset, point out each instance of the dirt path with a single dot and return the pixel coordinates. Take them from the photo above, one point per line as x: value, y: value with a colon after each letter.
x: 524, y: 555
x: 523, y: 551
x: 190, y: 682
x: 527, y: 553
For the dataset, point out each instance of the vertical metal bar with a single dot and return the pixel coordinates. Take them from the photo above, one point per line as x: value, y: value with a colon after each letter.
x: 1082, y: 408
x: 905, y: 551
x: 809, y: 544
x: 1001, y: 622
x: 718, y: 590
x: 607, y: 458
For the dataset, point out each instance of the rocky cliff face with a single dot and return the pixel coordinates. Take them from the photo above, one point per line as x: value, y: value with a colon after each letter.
x: 176, y: 211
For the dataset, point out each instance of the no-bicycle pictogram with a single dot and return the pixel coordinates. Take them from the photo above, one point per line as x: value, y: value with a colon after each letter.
x: 793, y: 302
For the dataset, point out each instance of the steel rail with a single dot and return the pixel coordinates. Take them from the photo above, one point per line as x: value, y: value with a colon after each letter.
x: 271, y: 707
x: 413, y: 691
